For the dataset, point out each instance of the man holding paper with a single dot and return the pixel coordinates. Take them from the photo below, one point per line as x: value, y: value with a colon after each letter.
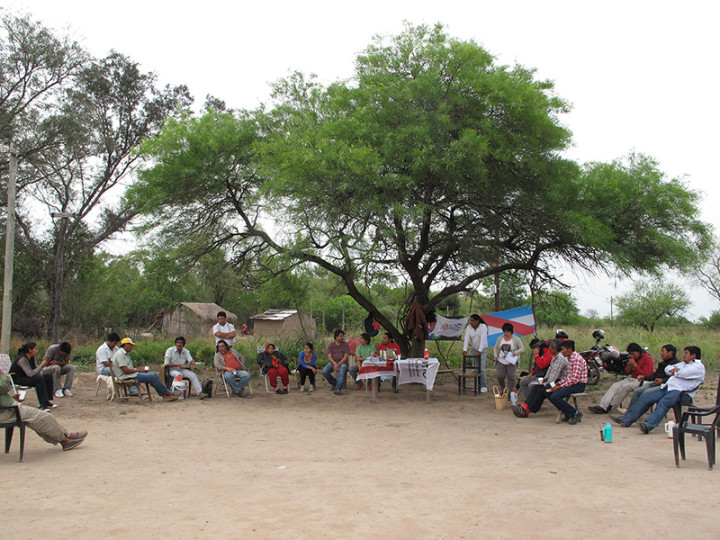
x: 508, y: 349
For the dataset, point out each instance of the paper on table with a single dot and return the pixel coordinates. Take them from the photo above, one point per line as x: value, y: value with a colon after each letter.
x: 512, y: 358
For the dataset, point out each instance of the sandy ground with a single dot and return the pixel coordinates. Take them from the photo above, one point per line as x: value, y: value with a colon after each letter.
x: 322, y: 466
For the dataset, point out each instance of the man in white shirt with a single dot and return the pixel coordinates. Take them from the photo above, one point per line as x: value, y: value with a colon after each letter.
x: 178, y: 359
x: 104, y: 354
x: 224, y: 330
x: 685, y: 378
x: 476, y: 342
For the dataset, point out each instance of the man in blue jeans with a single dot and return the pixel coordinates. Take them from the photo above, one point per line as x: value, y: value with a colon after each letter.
x: 124, y: 370
x: 685, y: 378
x: 338, y: 353
x: 572, y: 383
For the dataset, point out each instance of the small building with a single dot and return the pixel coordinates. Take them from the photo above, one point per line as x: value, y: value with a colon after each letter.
x: 192, y: 319
x: 281, y: 322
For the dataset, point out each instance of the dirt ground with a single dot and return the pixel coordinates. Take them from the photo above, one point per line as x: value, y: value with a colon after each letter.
x: 326, y: 466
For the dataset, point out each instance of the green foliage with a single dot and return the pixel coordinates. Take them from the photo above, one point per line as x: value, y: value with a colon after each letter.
x: 713, y: 321
x: 377, y: 179
x: 556, y: 308
x: 652, y: 303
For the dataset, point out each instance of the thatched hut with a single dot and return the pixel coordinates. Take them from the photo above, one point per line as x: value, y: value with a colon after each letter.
x: 193, y: 319
x: 281, y: 322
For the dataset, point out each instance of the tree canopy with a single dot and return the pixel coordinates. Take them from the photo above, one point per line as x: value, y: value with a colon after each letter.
x: 433, y: 166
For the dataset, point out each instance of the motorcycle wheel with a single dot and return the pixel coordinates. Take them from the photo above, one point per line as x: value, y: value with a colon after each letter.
x: 593, y: 374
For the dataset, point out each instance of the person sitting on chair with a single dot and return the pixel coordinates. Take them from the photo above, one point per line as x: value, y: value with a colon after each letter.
x: 537, y: 391
x: 123, y: 369
x: 26, y: 372
x: 274, y: 363
x: 362, y: 353
x: 388, y: 343
x: 104, y: 354
x: 179, y: 360
x: 40, y: 421
x: 685, y: 379
x: 230, y: 363
x: 307, y: 366
x: 639, y: 366
x: 58, y: 364
x: 572, y: 383
x: 668, y: 358
x: 338, y: 352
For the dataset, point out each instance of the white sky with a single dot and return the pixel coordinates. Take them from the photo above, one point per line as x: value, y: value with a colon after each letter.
x: 641, y: 75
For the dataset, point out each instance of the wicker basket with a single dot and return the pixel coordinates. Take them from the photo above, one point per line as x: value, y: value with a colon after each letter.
x: 501, y: 398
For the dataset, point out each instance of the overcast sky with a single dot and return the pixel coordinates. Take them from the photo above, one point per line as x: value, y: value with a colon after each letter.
x: 641, y: 76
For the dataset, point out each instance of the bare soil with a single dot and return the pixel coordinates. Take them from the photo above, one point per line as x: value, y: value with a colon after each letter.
x: 322, y: 466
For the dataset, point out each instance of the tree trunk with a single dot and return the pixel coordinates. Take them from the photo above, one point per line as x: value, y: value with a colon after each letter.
x: 58, y: 292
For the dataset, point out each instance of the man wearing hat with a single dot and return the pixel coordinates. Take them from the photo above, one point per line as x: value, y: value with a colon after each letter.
x: 124, y: 370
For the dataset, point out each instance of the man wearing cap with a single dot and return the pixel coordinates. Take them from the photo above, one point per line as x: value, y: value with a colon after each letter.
x: 124, y: 370
x: 178, y: 359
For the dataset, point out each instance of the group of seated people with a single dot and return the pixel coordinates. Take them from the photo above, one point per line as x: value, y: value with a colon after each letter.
x: 560, y: 371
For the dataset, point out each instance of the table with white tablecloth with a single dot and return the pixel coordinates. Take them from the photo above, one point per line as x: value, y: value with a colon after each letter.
x: 407, y: 370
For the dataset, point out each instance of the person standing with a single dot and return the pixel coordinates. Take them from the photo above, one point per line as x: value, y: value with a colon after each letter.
x: 476, y: 344
x: 123, y: 369
x: 224, y: 330
x: 58, y: 364
x: 104, y: 354
x: 508, y: 349
x: 338, y: 353
x: 179, y: 360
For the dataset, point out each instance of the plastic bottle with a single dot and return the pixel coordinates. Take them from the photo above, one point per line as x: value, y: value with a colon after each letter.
x: 607, y: 433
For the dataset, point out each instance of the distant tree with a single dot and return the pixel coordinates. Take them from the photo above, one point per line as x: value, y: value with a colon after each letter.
x: 554, y: 308
x: 592, y: 314
x: 652, y: 302
x: 98, y: 124
x: 708, y: 274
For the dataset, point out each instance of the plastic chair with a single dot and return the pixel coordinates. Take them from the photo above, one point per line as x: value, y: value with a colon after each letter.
x: 10, y: 427
x: 706, y: 431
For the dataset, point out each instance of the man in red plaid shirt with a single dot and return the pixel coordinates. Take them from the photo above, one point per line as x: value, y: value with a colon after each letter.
x: 573, y: 383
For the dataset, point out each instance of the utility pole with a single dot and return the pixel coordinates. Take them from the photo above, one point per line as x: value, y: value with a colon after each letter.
x: 9, y: 256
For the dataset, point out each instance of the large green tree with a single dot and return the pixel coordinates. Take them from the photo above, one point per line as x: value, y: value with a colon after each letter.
x: 434, y: 166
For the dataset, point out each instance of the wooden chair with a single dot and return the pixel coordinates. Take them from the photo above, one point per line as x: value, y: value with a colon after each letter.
x: 121, y: 388
x: 10, y: 427
x: 469, y: 366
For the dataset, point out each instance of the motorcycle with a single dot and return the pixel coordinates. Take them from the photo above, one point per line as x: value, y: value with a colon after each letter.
x: 603, y: 358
